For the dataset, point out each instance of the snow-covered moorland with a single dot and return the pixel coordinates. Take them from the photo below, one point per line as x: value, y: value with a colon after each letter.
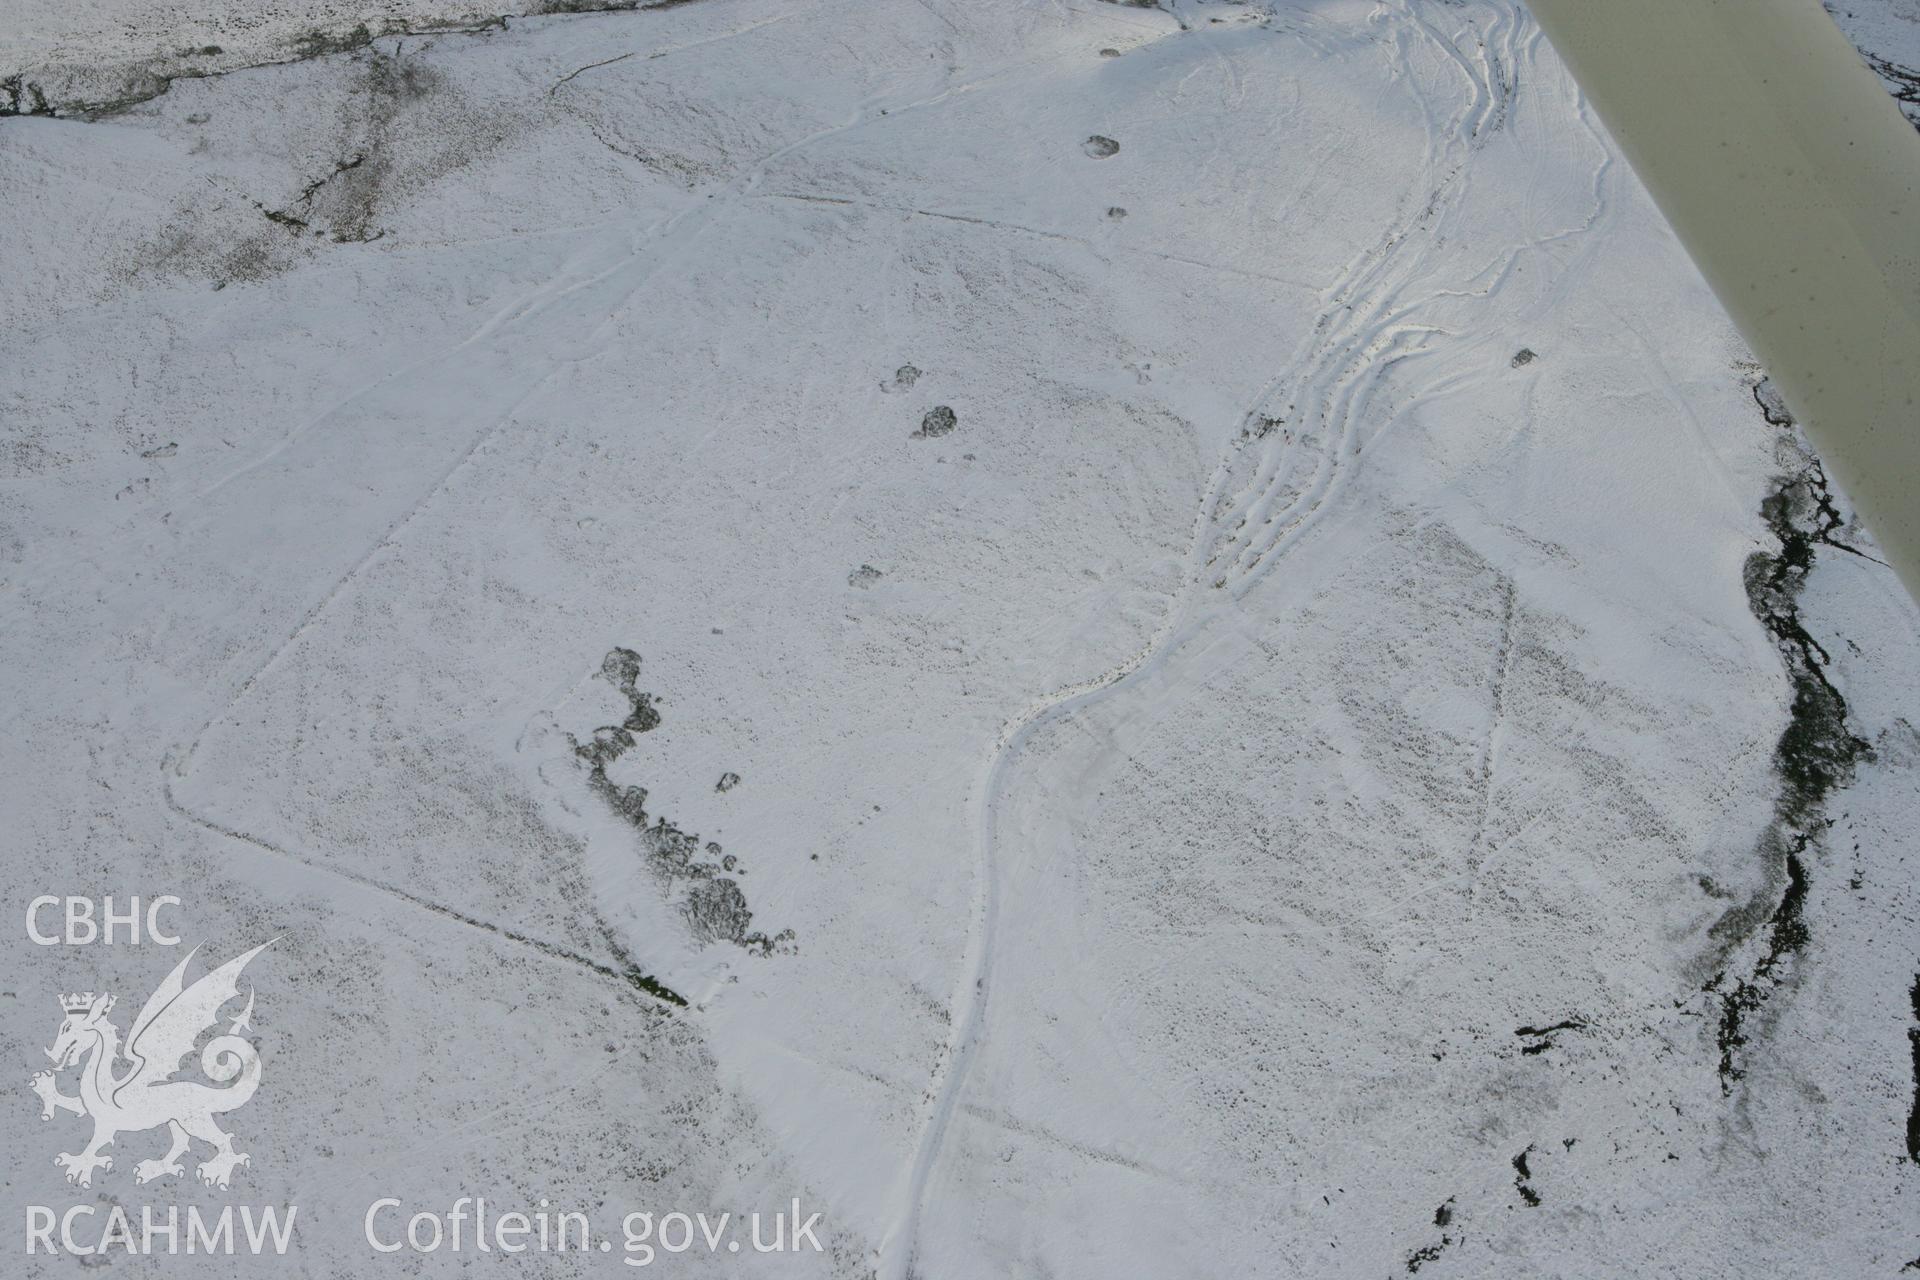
x: 1101, y: 640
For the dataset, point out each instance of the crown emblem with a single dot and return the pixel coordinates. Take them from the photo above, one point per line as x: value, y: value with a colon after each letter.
x: 78, y: 1002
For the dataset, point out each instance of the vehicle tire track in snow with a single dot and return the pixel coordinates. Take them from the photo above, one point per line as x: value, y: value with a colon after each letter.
x: 1363, y: 331
x: 1367, y: 326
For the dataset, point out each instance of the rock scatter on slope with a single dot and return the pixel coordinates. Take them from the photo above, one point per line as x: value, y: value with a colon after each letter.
x: 938, y: 421
x: 715, y: 907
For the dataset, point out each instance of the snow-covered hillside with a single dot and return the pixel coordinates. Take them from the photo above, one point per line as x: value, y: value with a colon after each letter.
x: 1101, y: 640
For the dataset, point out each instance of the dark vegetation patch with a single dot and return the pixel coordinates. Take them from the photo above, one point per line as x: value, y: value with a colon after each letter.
x: 1913, y: 1044
x: 22, y: 99
x: 401, y: 126
x: 1442, y: 1218
x: 1427, y: 1253
x: 319, y: 44
x: 398, y: 124
x: 1523, y: 1180
x: 1541, y: 1038
x: 715, y: 907
x: 144, y: 80
x: 1816, y: 752
x: 542, y: 8
x: 30, y: 98
x: 390, y: 134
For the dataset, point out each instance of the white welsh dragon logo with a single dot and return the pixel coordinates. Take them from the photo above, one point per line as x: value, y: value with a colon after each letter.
x: 145, y: 1095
